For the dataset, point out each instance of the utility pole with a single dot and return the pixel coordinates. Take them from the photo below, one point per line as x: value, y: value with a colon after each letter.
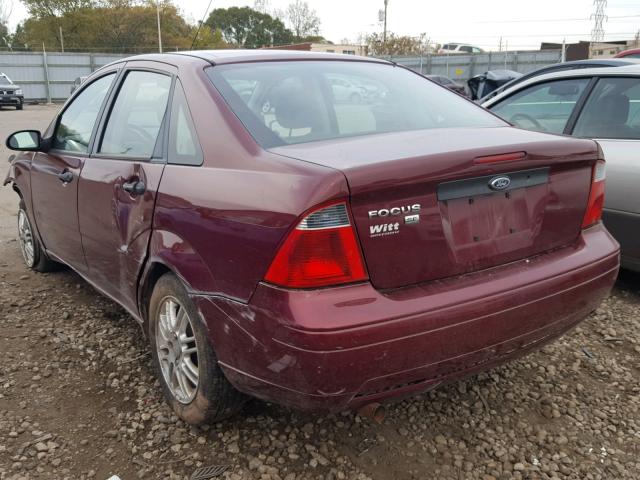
x: 384, y: 32
x: 61, y: 40
x: 159, y: 34
x: 597, y: 34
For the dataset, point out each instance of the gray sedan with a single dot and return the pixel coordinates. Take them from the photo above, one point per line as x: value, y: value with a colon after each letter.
x: 603, y: 104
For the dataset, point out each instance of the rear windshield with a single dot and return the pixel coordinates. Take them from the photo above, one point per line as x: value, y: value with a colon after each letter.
x: 283, y: 103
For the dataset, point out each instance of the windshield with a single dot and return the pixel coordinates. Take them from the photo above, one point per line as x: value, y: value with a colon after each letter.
x: 284, y: 103
x: 5, y: 79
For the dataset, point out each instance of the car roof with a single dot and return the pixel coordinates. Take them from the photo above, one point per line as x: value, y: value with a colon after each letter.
x: 626, y: 70
x: 631, y: 51
x: 220, y: 57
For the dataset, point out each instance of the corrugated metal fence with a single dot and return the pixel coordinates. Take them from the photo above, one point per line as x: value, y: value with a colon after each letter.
x: 49, y: 77
x: 462, y: 67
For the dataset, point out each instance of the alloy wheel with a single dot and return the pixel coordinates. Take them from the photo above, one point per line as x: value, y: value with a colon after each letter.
x: 177, y: 350
x: 25, y: 237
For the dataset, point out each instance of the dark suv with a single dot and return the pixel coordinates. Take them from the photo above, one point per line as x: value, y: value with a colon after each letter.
x: 10, y: 93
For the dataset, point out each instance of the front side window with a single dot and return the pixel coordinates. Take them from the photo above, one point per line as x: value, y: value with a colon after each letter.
x: 284, y: 103
x: 76, y: 124
x: 137, y: 114
x: 612, y: 111
x: 545, y: 107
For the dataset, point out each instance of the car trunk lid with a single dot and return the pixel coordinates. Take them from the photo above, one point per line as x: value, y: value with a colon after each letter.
x: 437, y: 203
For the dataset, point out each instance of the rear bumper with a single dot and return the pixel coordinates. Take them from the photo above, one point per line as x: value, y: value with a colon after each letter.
x: 339, y: 348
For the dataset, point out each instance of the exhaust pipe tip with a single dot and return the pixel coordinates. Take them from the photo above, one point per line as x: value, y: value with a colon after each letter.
x: 373, y: 411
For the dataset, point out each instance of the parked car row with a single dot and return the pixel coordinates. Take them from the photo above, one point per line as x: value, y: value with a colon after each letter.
x: 603, y: 104
x: 556, y: 67
x: 276, y: 238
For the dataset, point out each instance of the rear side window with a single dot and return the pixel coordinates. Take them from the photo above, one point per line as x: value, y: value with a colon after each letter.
x: 137, y: 115
x: 544, y: 107
x: 73, y: 132
x: 284, y: 103
x: 184, y: 148
x: 612, y: 111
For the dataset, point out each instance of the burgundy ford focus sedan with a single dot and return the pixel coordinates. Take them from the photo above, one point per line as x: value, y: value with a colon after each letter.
x: 278, y: 238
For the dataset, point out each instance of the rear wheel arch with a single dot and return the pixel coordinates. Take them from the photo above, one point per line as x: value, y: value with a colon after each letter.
x: 15, y: 188
x: 155, y: 270
x: 147, y: 283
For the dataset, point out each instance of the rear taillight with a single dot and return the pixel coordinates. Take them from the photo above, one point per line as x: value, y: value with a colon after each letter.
x: 596, y: 195
x: 322, y: 250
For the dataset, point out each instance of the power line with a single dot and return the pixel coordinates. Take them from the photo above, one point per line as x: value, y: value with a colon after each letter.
x: 539, y: 35
x: 545, y: 20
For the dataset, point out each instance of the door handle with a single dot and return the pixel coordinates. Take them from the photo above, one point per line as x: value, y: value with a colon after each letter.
x: 134, y: 188
x: 65, y: 176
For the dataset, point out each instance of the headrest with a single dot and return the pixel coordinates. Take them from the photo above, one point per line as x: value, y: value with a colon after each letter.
x: 295, y: 108
x: 613, y: 109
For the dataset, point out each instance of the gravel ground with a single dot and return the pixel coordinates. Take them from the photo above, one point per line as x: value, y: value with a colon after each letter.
x: 78, y: 399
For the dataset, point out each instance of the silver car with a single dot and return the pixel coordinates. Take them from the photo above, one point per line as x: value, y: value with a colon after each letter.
x: 600, y: 103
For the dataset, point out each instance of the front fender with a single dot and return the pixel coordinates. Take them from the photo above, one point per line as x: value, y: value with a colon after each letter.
x: 19, y: 176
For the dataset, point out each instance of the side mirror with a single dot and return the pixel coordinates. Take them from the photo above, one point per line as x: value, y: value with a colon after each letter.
x: 25, y: 141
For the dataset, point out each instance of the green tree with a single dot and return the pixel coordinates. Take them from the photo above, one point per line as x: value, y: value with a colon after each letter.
x: 56, y: 8
x: 208, y: 39
x: 108, y: 25
x: 245, y: 27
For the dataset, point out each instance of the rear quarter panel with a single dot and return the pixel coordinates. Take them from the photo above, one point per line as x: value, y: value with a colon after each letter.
x: 218, y: 225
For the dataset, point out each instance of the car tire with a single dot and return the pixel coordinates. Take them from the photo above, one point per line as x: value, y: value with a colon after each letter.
x: 19, y: 106
x: 33, y: 253
x: 175, y: 327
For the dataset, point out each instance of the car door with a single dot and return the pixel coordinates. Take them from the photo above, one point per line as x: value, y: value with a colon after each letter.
x: 612, y: 117
x: 54, y: 174
x: 544, y: 107
x: 118, y: 184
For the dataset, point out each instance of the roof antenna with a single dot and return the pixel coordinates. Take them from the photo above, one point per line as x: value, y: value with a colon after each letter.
x: 195, y: 37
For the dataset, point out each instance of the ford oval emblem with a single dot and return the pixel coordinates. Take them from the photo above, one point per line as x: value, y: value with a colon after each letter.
x: 499, y: 183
